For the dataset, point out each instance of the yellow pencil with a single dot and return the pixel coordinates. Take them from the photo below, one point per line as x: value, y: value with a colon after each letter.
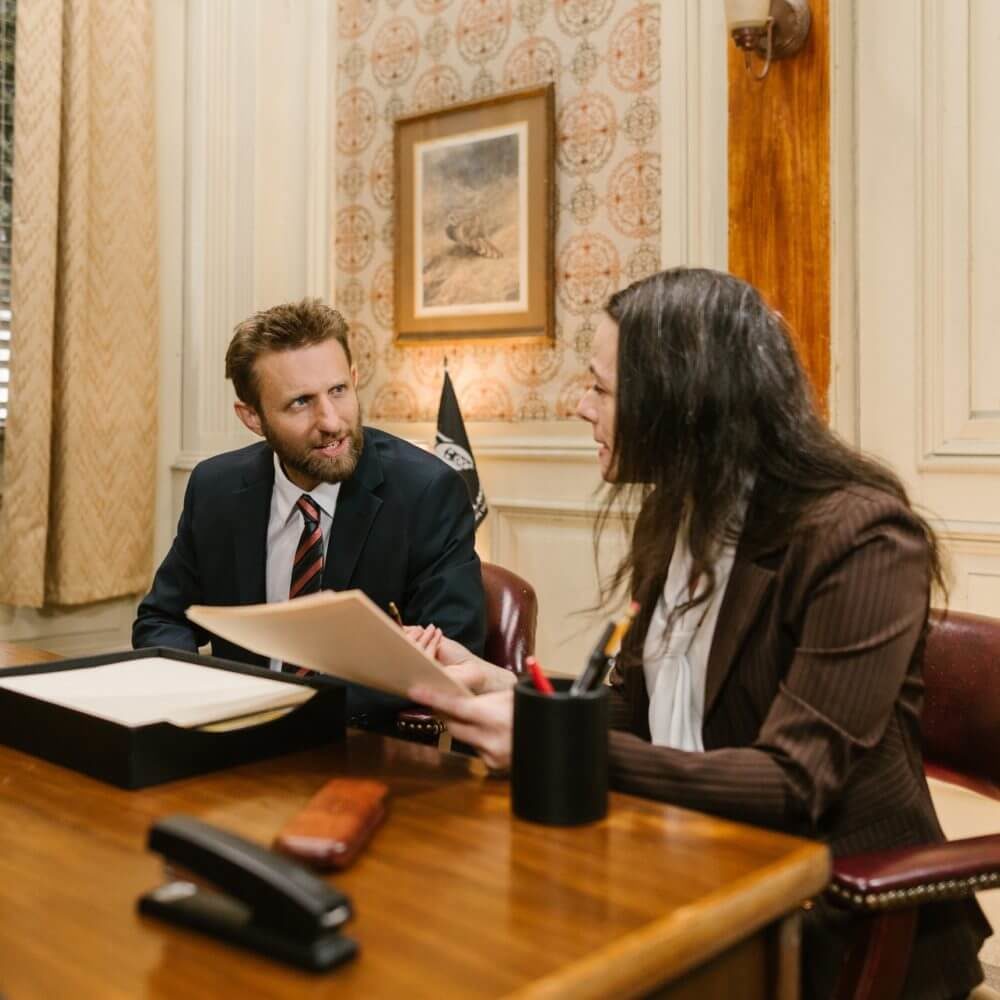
x: 394, y: 611
x: 617, y: 637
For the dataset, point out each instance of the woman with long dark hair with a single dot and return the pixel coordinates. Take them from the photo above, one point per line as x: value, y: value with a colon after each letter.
x: 783, y: 582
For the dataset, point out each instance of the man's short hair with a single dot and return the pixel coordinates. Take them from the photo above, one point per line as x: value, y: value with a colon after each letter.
x: 281, y: 328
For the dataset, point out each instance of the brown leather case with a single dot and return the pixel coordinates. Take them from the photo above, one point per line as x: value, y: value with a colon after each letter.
x: 335, y: 823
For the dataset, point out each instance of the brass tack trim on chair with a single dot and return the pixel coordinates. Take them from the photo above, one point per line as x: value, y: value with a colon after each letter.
x: 894, y: 899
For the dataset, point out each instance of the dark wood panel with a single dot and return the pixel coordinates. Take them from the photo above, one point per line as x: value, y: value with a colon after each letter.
x: 779, y: 190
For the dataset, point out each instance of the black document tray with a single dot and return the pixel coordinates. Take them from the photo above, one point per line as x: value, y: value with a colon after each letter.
x: 133, y: 757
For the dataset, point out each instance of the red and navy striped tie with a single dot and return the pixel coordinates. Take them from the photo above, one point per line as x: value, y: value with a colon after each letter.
x: 307, y: 567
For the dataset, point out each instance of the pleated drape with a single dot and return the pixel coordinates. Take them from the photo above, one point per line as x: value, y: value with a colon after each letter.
x: 76, y: 521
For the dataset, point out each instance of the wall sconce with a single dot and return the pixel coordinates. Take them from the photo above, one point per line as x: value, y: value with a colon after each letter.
x: 774, y: 29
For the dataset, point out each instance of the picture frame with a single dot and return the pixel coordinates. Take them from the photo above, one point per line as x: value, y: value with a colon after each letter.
x: 475, y: 220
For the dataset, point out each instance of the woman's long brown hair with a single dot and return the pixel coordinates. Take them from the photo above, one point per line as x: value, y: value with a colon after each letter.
x: 711, y: 401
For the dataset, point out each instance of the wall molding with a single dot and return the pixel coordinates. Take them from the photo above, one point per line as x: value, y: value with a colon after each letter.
x: 984, y: 533
x: 564, y: 440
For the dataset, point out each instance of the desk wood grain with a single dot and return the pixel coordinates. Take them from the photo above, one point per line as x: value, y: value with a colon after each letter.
x: 454, y: 896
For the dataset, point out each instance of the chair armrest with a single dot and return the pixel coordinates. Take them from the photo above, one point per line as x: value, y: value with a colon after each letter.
x: 911, y: 876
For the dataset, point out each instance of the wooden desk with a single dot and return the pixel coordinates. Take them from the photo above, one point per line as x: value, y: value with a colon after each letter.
x: 453, y: 897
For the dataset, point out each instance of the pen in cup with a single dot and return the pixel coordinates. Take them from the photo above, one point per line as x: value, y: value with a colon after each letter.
x: 595, y: 662
x: 538, y: 678
x: 602, y: 657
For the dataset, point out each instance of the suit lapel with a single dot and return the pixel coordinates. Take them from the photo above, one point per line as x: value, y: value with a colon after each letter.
x: 250, y: 512
x: 357, y: 507
x: 748, y: 585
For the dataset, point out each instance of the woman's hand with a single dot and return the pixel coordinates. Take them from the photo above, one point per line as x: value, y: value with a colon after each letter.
x: 483, y: 721
x: 477, y: 675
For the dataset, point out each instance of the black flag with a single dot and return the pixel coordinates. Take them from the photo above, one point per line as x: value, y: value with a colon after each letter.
x: 451, y: 445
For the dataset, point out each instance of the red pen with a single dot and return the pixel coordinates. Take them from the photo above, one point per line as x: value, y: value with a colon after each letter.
x: 538, y: 678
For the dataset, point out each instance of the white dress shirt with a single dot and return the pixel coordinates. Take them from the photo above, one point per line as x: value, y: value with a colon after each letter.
x: 675, y: 669
x: 284, y: 529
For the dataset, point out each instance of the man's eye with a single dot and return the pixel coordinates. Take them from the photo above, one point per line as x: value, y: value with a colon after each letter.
x: 338, y: 390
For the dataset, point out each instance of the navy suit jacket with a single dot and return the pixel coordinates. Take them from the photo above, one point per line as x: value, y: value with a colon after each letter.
x: 403, y: 531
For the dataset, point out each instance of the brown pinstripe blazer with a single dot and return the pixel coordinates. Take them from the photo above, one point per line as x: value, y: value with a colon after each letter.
x: 811, y: 722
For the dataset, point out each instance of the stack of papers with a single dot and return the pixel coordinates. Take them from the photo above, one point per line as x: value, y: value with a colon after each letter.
x: 343, y: 634
x: 151, y: 689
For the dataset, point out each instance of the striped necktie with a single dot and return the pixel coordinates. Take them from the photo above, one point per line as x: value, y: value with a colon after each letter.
x: 307, y: 567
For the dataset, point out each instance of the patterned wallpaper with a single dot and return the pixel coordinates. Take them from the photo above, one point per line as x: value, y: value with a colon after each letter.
x: 403, y: 56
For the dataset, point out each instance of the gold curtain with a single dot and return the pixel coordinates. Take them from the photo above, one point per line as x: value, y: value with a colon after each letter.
x: 76, y: 521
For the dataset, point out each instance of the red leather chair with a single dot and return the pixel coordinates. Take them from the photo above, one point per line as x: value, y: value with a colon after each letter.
x: 961, y: 742
x: 511, y: 617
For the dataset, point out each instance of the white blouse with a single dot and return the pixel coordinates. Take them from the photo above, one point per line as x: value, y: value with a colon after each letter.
x: 675, y: 670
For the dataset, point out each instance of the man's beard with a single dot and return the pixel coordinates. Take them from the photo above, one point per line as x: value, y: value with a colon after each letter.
x: 315, y: 466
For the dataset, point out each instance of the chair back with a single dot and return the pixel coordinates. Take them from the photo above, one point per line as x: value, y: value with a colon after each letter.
x: 511, y: 617
x: 961, y: 717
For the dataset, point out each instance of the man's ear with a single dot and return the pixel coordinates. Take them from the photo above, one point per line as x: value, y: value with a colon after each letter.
x: 249, y: 417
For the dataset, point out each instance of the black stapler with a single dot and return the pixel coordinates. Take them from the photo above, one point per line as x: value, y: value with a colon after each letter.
x: 266, y: 902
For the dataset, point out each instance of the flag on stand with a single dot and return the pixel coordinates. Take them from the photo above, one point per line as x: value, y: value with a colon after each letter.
x: 451, y: 445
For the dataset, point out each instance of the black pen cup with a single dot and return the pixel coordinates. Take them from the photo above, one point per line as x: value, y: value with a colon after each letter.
x: 559, y: 762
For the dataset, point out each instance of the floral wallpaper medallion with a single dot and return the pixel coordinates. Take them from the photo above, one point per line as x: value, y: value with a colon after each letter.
x: 578, y: 17
x: 382, y: 177
x: 363, y: 352
x: 354, y: 17
x: 586, y: 129
x: 634, y: 195
x: 355, y: 239
x: 355, y: 121
x: 482, y: 29
x: 534, y: 61
x: 397, y: 47
x: 351, y: 297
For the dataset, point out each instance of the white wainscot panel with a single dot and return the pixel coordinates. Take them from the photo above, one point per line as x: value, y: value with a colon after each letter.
x: 959, y: 234
x: 975, y: 568
x: 550, y: 544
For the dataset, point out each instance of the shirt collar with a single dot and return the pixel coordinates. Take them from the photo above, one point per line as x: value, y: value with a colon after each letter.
x: 287, y: 494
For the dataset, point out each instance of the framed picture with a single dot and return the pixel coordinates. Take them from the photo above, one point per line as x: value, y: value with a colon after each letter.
x: 474, y: 220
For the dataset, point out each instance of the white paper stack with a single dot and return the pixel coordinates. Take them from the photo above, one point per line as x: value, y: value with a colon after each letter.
x: 138, y: 692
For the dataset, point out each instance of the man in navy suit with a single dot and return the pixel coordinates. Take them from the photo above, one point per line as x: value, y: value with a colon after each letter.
x: 320, y: 502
